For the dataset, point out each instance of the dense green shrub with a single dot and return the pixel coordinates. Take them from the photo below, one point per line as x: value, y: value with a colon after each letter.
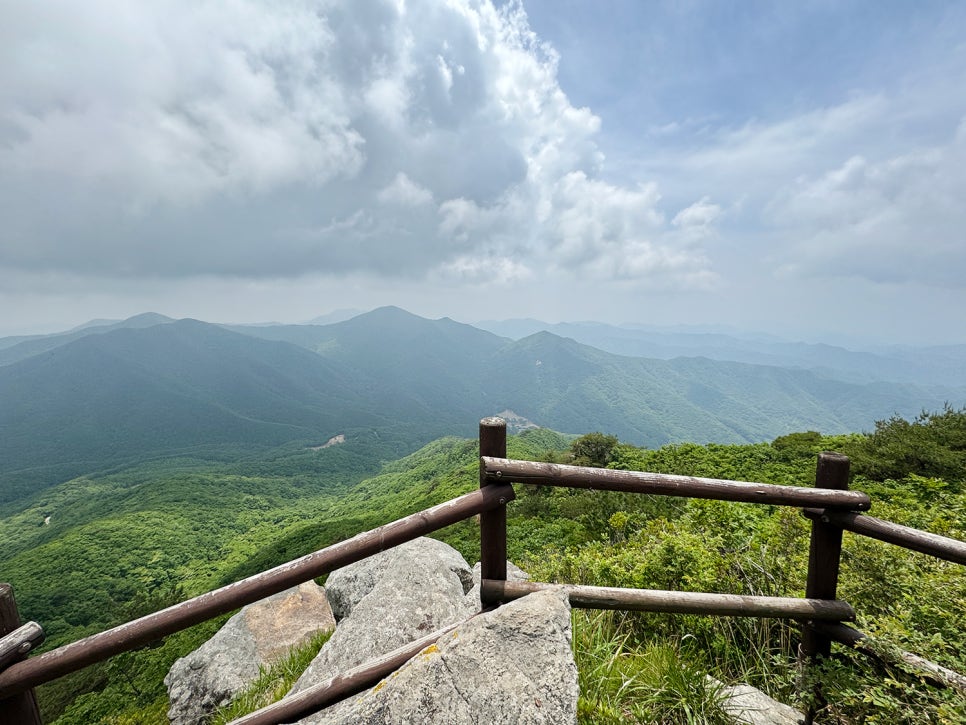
x: 932, y: 445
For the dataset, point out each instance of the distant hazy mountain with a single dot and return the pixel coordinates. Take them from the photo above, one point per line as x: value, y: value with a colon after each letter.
x: 572, y: 387
x: 926, y: 366
x: 13, y: 349
x: 340, y: 315
x: 440, y: 362
x: 559, y: 382
x: 136, y: 392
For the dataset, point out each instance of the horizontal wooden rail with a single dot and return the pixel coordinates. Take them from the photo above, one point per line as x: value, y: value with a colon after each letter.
x: 77, y: 655
x: 655, y: 600
x: 20, y: 643
x: 942, y: 547
x: 937, y: 674
x: 554, y: 474
x: 333, y: 690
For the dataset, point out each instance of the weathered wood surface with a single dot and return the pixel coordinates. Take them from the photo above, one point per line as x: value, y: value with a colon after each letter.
x: 942, y: 547
x: 656, y: 600
x: 69, y: 658
x: 859, y: 640
x: 553, y: 474
x: 20, y: 642
x: 824, y: 550
x: 335, y: 689
x: 20, y: 708
x: 492, y: 522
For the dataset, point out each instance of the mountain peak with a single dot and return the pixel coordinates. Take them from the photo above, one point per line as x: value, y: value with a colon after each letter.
x: 390, y: 312
x: 146, y: 319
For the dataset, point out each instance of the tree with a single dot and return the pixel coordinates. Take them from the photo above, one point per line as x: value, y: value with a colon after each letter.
x: 795, y: 445
x: 933, y: 445
x: 593, y: 449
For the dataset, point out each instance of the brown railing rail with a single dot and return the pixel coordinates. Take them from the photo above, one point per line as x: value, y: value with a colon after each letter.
x: 496, y: 470
x: 657, y: 600
x: 830, y: 505
x: 924, y: 542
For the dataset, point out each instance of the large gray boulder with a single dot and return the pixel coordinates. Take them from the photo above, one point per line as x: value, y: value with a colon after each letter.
x: 257, y: 636
x: 511, y: 665
x: 389, y: 600
x: 345, y: 587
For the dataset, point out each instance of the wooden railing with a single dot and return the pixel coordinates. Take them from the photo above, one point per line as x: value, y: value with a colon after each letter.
x: 831, y: 507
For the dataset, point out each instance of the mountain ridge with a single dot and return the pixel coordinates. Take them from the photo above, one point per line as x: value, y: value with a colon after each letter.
x: 159, y: 389
x: 935, y: 364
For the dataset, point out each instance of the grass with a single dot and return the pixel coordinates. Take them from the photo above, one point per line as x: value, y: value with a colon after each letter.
x: 654, y: 683
x: 273, y: 682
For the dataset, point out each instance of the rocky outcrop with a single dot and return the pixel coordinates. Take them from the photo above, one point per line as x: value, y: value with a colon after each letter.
x: 406, y: 566
x: 389, y: 600
x: 257, y: 636
x: 513, y: 664
x: 490, y: 669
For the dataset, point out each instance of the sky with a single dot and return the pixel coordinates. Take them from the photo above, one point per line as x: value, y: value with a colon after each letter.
x: 797, y: 168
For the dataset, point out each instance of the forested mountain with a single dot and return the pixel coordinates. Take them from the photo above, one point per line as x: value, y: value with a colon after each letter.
x: 440, y: 362
x: 570, y: 386
x: 13, y: 349
x: 936, y: 365
x: 101, y: 398
x: 184, y: 388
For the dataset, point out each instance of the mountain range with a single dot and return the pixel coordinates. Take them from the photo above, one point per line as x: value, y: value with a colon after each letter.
x: 935, y: 365
x: 117, y: 392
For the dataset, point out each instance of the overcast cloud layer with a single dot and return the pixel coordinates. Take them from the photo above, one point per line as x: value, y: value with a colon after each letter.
x: 247, y: 160
x: 247, y: 139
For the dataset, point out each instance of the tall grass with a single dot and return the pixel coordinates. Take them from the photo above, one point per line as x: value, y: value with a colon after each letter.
x: 658, y: 682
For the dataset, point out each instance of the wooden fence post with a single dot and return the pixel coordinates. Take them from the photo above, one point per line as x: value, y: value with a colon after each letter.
x: 824, y: 554
x: 18, y: 709
x: 492, y: 523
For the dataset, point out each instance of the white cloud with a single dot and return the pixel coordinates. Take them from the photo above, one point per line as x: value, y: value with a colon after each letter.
x: 486, y: 270
x: 758, y: 156
x: 154, y: 106
x: 868, y: 188
x: 897, y: 219
x: 250, y: 139
x: 405, y: 192
x: 696, y: 222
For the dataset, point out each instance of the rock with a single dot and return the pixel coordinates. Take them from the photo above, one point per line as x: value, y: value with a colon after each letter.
x: 750, y: 706
x: 391, y: 599
x: 347, y: 586
x: 258, y: 635
x: 513, y: 664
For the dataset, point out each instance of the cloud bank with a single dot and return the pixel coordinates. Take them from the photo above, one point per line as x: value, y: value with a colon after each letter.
x: 869, y: 189
x: 413, y: 140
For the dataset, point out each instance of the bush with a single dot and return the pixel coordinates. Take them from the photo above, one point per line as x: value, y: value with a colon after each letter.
x: 932, y: 445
